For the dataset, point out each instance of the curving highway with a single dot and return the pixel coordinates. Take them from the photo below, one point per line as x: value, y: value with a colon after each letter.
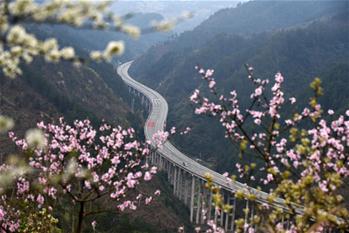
x: 156, y: 121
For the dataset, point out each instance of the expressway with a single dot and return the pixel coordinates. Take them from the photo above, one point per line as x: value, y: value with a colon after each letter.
x: 156, y: 121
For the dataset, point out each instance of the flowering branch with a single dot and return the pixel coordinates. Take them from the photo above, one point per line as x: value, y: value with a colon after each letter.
x: 304, y: 165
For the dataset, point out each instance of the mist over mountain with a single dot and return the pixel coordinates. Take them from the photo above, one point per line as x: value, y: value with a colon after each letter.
x: 302, y: 39
x: 97, y: 40
x: 170, y: 9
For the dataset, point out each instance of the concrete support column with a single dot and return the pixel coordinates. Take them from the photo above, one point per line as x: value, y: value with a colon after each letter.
x: 156, y: 159
x: 226, y: 220
x: 232, y: 227
x: 203, y: 204
x: 252, y: 213
x: 186, y: 190
x: 168, y: 169
x: 179, y: 184
x: 173, y: 168
x: 171, y: 172
x: 288, y: 224
x: 158, y: 162
x: 161, y: 168
x: 133, y: 104
x: 222, y: 213
x: 157, y: 156
x: 147, y: 159
x: 175, y: 181
x: 215, y: 215
x: 246, y: 213
x: 209, y: 205
x: 152, y: 158
x: 198, y: 204
x: 192, y: 199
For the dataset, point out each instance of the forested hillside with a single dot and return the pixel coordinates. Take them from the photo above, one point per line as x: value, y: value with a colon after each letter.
x: 249, y: 18
x: 303, y: 47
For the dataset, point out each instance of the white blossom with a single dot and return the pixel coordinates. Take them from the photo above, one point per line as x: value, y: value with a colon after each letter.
x: 6, y: 124
x: 114, y: 48
x: 131, y: 30
x: 35, y: 138
x: 68, y: 53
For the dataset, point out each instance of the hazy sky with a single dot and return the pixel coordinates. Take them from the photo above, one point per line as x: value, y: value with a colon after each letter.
x: 170, y: 7
x: 201, y: 9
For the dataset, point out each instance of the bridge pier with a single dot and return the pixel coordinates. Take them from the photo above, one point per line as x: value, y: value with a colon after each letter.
x: 186, y: 190
x: 221, y: 219
x: 192, y: 198
x: 198, y: 203
x: 171, y: 173
x: 152, y: 158
x: 178, y: 185
x: 205, y: 204
x: 181, y: 185
x: 133, y: 104
x: 168, y: 169
x: 253, y: 204
x: 226, y: 215
x: 160, y: 163
x: 232, y: 226
x: 175, y: 181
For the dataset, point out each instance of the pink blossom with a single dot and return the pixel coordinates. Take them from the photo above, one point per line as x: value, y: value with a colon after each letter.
x: 2, y: 214
x: 147, y: 176
x: 173, y: 130
x: 211, y: 84
x: 279, y: 78
x: 209, y: 73
x: 292, y: 100
x: 148, y: 200
x: 258, y: 91
x: 40, y: 199
x: 160, y: 137
x: 94, y: 224
x: 323, y: 186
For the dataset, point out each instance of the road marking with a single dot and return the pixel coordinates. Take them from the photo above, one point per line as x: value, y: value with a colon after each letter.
x: 156, y: 101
